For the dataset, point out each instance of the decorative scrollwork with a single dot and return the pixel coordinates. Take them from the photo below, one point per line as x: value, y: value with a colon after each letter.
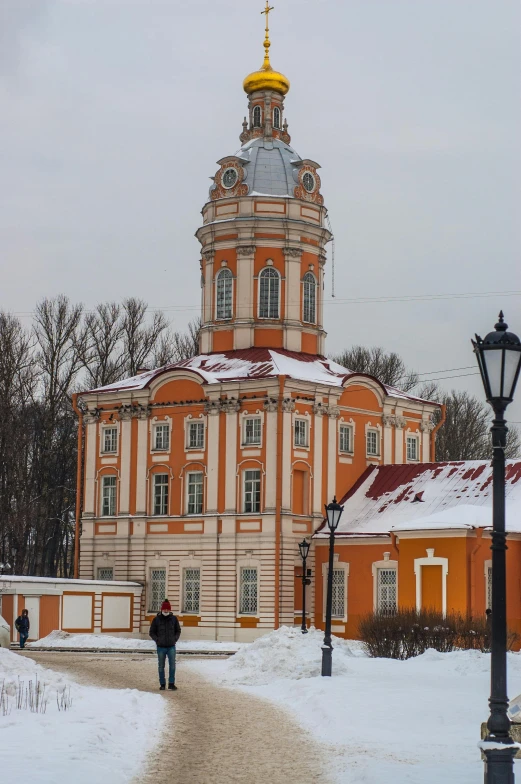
x: 231, y: 406
x: 333, y: 412
x: 293, y: 252
x: 212, y: 407
x: 287, y: 405
x: 245, y: 250
x: 270, y: 404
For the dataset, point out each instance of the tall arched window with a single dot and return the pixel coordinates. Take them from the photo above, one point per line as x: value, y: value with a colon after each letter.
x: 257, y: 117
x: 310, y: 298
x: 276, y: 117
x: 269, y: 284
x: 224, y: 295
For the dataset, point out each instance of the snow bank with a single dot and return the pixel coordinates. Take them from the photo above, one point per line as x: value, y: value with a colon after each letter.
x: 103, y: 737
x: 287, y: 653
x: 59, y: 639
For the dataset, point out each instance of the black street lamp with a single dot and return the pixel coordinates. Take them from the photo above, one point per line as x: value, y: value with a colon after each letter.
x: 333, y: 515
x: 499, y: 360
x: 303, y: 547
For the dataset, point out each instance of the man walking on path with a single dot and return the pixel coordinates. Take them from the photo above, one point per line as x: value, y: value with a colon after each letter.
x: 165, y: 631
x: 22, y: 626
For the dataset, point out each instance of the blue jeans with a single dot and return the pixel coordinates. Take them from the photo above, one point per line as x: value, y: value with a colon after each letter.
x: 23, y: 638
x: 162, y: 654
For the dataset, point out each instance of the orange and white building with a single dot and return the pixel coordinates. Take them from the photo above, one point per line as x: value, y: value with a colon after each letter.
x: 199, y: 478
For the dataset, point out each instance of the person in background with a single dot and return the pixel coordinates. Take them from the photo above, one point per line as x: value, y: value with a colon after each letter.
x: 22, y: 627
x: 165, y: 631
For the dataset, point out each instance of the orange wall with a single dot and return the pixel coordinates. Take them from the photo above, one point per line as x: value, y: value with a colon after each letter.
x: 49, y: 614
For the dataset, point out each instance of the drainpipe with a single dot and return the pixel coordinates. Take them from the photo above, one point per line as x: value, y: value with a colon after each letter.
x: 433, y: 434
x: 79, y: 414
x: 278, y: 502
x: 471, y: 602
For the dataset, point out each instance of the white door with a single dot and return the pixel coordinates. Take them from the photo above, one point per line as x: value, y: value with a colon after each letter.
x: 32, y: 603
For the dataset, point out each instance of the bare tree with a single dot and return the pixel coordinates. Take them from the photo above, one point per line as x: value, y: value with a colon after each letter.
x: 139, y: 337
x: 387, y: 367
x: 99, y: 348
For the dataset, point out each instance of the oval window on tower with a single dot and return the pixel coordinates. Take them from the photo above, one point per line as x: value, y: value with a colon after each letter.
x: 257, y: 117
x: 276, y: 117
x: 308, y: 181
x: 229, y: 178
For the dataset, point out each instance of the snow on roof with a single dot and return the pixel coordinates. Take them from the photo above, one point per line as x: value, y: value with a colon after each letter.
x: 252, y: 363
x: 428, y: 496
x: 20, y: 578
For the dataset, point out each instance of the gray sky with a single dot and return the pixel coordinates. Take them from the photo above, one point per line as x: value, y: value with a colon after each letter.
x: 114, y: 113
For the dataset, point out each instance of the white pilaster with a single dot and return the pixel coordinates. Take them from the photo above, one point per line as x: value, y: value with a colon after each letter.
x: 124, y: 485
x: 230, y: 500
x: 213, y: 462
x: 90, y: 467
x: 270, y: 499
x: 141, y: 473
x: 388, y: 422
x: 317, y: 464
x: 331, y: 458
x: 287, y: 442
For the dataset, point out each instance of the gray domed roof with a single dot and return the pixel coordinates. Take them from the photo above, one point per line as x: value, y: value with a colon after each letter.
x: 271, y: 167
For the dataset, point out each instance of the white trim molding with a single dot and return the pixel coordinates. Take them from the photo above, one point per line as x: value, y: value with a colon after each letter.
x: 431, y: 560
x: 385, y: 564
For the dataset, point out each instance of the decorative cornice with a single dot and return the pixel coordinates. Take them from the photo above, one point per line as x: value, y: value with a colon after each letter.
x: 293, y: 252
x: 231, y: 406
x: 271, y: 404
x: 91, y: 416
x: 400, y: 422
x: 333, y: 412
x: 245, y: 250
x: 127, y: 412
x: 388, y: 420
x: 319, y: 409
x: 426, y: 426
x: 287, y: 405
x: 208, y: 255
x: 212, y: 407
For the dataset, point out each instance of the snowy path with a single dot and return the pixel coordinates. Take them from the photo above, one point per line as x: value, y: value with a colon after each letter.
x: 213, y: 735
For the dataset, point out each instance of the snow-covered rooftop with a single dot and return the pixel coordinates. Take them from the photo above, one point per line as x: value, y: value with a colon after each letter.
x: 252, y: 363
x: 428, y: 496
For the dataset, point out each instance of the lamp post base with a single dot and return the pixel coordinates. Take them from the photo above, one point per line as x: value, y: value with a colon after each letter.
x: 499, y: 766
x: 304, y: 630
x: 327, y: 660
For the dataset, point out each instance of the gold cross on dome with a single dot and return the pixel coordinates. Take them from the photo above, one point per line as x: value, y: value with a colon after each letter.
x: 267, y: 43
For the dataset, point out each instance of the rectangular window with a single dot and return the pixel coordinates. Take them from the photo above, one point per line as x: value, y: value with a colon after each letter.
x: 372, y: 442
x: 196, y: 435
x: 105, y: 573
x: 108, y: 496
x: 412, y: 448
x: 301, y: 432
x: 345, y: 439
x: 252, y: 490
x: 338, y: 606
x: 160, y: 494
x: 248, y: 591
x: 489, y: 588
x: 191, y: 590
x: 157, y: 593
x: 386, y: 596
x: 252, y: 430
x: 110, y: 439
x: 195, y: 493
x: 162, y: 437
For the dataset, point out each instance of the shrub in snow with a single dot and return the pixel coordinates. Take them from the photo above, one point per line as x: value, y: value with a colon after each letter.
x: 410, y: 633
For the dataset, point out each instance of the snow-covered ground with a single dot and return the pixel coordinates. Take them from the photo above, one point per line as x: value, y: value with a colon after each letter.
x: 59, y: 639
x: 411, y: 722
x: 104, y: 736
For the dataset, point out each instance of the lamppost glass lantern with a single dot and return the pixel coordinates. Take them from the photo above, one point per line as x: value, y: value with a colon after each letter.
x: 304, y: 549
x: 499, y: 360
x: 333, y: 514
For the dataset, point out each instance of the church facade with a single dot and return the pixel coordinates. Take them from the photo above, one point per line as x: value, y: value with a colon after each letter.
x: 200, y: 478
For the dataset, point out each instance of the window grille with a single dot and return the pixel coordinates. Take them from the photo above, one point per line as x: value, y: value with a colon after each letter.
x: 196, y: 435
x: 338, y: 605
x: 386, y: 599
x: 224, y: 294
x: 489, y: 588
x: 252, y: 491
x: 412, y: 448
x: 269, y: 293
x: 191, y: 590
x: 160, y: 494
x: 248, y: 591
x: 301, y: 432
x: 195, y: 493
x: 105, y: 573
x: 372, y: 442
x: 157, y: 589
x: 108, y: 496
x: 161, y: 437
x: 257, y: 117
x: 310, y: 290
x: 252, y: 430
x: 110, y: 439
x: 345, y: 438
x: 276, y: 117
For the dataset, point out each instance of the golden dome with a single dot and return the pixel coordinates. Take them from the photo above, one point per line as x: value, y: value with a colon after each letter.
x: 266, y: 78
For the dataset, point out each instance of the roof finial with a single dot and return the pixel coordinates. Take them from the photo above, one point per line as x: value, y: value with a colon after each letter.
x: 267, y: 43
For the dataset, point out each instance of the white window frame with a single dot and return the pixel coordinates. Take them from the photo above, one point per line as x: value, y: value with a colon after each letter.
x: 155, y: 430
x: 351, y: 438
x: 257, y: 111
x: 154, y: 477
x: 431, y: 560
x: 200, y: 425
x: 104, y: 429
x: 277, y: 125
x: 115, y: 495
x: 224, y: 274
x: 188, y: 475
x: 105, y: 569
x: 244, y: 480
x: 263, y: 275
x: 248, y: 418
x: 152, y: 568
x: 337, y: 565
x: 306, y: 291
x: 305, y: 421
x: 184, y: 608
x: 240, y: 571
x: 372, y: 430
x: 413, y: 439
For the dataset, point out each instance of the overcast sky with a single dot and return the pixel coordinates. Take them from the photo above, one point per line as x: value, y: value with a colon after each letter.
x: 114, y: 113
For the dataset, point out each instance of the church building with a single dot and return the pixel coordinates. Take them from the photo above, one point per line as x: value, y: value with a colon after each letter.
x: 200, y: 478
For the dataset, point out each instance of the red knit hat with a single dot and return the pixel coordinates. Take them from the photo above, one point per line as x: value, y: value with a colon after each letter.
x: 166, y: 605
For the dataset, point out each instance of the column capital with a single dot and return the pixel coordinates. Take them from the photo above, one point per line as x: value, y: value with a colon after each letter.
x: 245, y: 250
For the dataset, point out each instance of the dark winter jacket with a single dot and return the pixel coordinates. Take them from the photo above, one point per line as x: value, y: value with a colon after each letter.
x: 165, y: 630
x: 22, y: 624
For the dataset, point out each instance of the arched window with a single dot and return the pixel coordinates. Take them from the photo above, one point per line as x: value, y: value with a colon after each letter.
x: 276, y: 117
x: 257, y: 117
x: 269, y: 283
x: 224, y: 294
x: 310, y: 296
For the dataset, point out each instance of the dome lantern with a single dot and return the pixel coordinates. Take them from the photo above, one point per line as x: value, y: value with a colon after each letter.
x: 266, y: 78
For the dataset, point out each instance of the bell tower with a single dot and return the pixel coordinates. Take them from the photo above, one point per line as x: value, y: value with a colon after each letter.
x: 264, y: 234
